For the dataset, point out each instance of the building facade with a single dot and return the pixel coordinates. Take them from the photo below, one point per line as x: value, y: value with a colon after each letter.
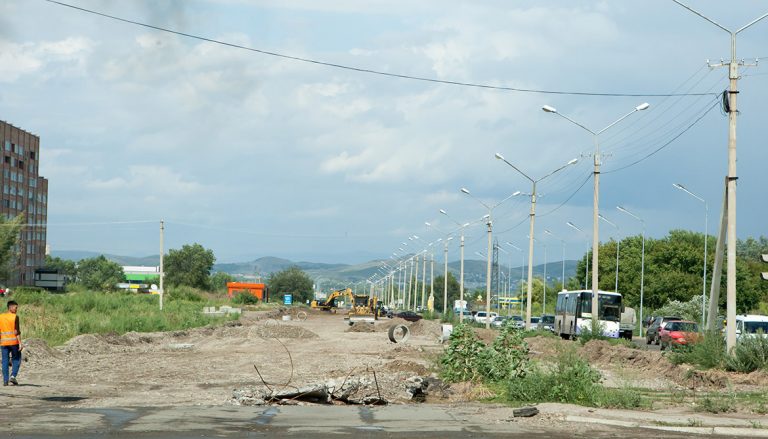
x: 25, y: 193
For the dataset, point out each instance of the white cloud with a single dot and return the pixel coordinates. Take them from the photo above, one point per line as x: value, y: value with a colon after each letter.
x: 63, y: 56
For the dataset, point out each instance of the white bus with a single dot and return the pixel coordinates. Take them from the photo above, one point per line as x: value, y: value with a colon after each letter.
x: 573, y: 313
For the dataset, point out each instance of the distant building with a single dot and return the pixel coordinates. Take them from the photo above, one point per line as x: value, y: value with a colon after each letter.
x: 24, y: 192
x: 140, y: 278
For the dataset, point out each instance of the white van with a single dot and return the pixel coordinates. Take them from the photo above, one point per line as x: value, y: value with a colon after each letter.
x: 751, y: 325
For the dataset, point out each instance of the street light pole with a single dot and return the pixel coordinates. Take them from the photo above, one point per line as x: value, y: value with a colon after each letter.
x: 562, y: 279
x: 642, y: 264
x: 488, y: 268
x: 461, y: 269
x: 706, y: 233
x: 733, y: 75
x: 522, y: 265
x: 531, y: 227
x: 616, y: 285
x: 586, y: 258
x: 595, y: 198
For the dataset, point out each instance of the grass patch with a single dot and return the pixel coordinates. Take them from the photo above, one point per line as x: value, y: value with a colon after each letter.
x: 708, y: 353
x: 57, y: 318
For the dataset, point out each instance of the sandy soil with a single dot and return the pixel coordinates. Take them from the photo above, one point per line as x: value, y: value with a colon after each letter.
x: 202, y: 366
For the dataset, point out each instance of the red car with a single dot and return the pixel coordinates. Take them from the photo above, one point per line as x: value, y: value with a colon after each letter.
x: 678, y: 333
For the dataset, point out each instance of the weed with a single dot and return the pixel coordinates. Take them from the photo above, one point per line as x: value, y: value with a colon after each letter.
x: 755, y: 424
x: 693, y: 422
x: 708, y: 353
x: 749, y: 354
x: 760, y: 408
x: 469, y: 359
x: 460, y: 362
x: 245, y: 298
x: 716, y: 404
x: 183, y: 292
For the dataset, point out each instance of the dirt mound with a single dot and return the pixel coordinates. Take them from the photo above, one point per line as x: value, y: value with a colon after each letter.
x: 277, y: 330
x: 430, y: 328
x: 406, y: 366
x: 89, y: 344
x: 384, y: 326
x: 544, y: 346
x: 37, y: 351
x: 486, y: 335
x: 361, y: 327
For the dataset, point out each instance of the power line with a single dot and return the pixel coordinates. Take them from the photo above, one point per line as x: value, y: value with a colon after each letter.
x: 366, y: 70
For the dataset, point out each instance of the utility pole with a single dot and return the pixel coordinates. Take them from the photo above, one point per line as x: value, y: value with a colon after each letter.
x: 162, y: 250
x: 733, y: 76
x: 423, y: 279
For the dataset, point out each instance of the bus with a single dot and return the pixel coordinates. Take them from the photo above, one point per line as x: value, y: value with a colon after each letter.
x: 573, y: 313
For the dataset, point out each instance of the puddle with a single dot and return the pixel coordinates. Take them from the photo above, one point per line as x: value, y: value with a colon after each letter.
x: 266, y: 416
x: 116, y: 418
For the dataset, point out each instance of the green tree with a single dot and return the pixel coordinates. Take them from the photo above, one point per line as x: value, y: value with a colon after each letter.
x: 190, y: 266
x: 9, y: 237
x: 64, y: 266
x: 293, y: 281
x: 219, y: 280
x: 100, y: 274
x: 454, y: 291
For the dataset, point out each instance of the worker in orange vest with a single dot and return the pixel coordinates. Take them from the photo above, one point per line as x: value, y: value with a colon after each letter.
x: 10, y: 342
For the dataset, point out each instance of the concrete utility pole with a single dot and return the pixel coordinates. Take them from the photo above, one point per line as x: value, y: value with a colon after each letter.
x: 733, y: 75
x: 461, y: 269
x: 618, y: 242
x: 595, y: 197
x: 423, y: 278
x: 530, y: 232
x: 162, y: 251
x: 445, y: 278
x: 706, y: 233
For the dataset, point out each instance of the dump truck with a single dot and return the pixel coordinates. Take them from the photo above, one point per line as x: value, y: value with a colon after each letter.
x: 628, y: 323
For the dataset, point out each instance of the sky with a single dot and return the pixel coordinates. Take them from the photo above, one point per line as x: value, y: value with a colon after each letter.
x: 254, y: 155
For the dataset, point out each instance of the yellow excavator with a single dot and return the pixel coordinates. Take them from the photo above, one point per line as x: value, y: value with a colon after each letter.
x: 329, y: 304
x: 364, y: 309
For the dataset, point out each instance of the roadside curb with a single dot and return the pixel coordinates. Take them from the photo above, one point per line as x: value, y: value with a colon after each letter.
x: 725, y: 431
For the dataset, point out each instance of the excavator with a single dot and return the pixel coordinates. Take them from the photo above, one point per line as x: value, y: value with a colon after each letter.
x: 364, y: 309
x: 329, y: 304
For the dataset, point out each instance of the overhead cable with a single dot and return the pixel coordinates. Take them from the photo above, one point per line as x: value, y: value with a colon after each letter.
x: 366, y: 70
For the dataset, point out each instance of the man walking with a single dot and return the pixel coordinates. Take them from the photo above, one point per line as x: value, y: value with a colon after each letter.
x: 10, y: 342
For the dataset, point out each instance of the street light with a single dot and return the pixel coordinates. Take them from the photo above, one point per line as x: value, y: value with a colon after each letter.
x: 616, y: 285
x: 488, y: 268
x: 530, y: 233
x: 522, y: 265
x: 445, y: 278
x: 461, y: 270
x: 706, y: 233
x: 596, y: 194
x: 642, y: 264
x: 586, y: 258
x: 563, y: 242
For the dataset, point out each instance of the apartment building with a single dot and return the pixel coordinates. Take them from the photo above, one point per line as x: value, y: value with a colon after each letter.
x: 25, y: 192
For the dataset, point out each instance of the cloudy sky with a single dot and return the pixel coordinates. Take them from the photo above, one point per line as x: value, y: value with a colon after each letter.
x: 253, y: 155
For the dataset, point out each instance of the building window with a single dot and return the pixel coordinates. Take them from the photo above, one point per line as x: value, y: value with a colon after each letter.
x: 6, y: 173
x: 21, y: 164
x: 32, y: 155
x: 21, y: 178
x: 6, y: 191
x: 21, y: 150
x: 7, y: 159
x: 13, y: 176
x: 7, y: 145
x: 13, y: 190
x: 21, y: 192
x: 32, y: 182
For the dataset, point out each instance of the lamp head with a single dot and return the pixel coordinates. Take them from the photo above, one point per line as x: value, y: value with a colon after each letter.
x: 678, y: 186
x: 642, y: 106
x: 573, y: 161
x: 427, y: 224
x: 465, y: 225
x: 499, y: 156
x: 465, y: 190
x: 516, y: 193
x: 549, y: 109
x: 443, y: 212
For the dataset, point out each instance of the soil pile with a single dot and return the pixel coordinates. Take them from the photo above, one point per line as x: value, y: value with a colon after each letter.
x: 361, y: 327
x: 406, y: 366
x: 37, y: 351
x: 430, y: 328
x: 384, y: 327
x: 281, y: 331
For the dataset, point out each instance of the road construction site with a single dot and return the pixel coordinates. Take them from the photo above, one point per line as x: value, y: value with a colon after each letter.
x: 266, y: 361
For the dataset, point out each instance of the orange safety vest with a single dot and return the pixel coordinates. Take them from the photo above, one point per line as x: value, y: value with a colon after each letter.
x: 8, y: 329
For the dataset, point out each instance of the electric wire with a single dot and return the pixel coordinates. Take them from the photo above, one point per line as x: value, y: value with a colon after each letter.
x: 361, y: 69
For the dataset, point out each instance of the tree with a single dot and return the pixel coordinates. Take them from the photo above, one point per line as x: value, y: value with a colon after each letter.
x: 100, y: 274
x: 9, y: 237
x: 190, y: 266
x: 64, y: 266
x: 219, y: 280
x: 454, y: 291
x: 293, y: 281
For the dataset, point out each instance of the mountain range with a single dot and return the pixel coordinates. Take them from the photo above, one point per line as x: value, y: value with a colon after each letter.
x: 328, y: 275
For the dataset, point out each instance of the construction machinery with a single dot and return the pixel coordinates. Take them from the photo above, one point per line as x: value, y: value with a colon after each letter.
x: 364, y: 309
x: 329, y: 304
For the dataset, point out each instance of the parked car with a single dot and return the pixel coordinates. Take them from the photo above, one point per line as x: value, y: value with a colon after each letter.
x: 518, y: 322
x: 547, y: 322
x: 678, y: 333
x: 751, y: 325
x: 652, y: 333
x: 482, y: 317
x: 498, y: 321
x: 408, y: 315
x: 467, y: 315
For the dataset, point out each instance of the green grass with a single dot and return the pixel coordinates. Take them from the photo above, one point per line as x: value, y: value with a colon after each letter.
x: 58, y: 317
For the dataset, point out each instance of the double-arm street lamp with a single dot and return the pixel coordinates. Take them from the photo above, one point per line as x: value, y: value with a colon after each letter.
x: 642, y: 264
x: 596, y: 194
x: 616, y: 284
x: 706, y: 232
x: 530, y: 233
x: 461, y: 269
x: 445, y: 257
x: 488, y: 268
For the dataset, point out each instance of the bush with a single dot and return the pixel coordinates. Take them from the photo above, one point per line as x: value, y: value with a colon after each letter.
x: 507, y: 357
x: 183, y: 292
x: 749, y: 354
x: 594, y: 332
x: 570, y: 381
x: 245, y: 298
x: 708, y: 353
x: 460, y: 361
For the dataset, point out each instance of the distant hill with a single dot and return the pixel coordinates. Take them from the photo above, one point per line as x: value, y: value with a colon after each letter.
x: 329, y: 276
